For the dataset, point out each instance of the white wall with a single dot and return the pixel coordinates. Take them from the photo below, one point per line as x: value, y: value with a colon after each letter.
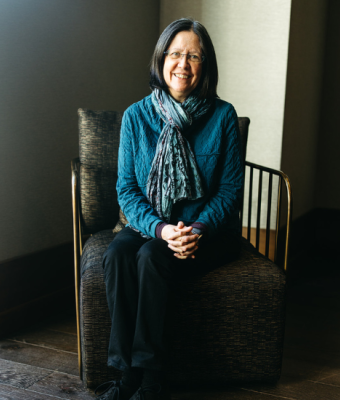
x: 57, y: 56
x: 251, y: 43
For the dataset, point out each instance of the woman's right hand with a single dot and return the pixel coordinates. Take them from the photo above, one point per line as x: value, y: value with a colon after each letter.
x: 180, y: 240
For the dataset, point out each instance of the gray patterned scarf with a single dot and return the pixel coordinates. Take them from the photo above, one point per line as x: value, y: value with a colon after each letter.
x: 174, y: 174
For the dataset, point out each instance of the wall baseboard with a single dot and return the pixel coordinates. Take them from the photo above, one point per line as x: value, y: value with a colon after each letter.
x: 35, y: 310
x: 316, y: 232
x: 317, y: 228
x: 33, y: 286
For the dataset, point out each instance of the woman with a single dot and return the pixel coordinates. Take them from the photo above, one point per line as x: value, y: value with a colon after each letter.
x: 180, y: 176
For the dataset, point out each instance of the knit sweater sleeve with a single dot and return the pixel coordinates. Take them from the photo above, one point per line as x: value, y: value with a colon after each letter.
x: 225, y: 199
x: 132, y: 201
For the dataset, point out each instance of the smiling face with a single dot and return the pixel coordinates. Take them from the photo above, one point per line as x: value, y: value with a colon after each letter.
x: 180, y: 75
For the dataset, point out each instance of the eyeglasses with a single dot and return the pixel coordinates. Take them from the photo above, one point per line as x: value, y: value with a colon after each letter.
x: 176, y: 55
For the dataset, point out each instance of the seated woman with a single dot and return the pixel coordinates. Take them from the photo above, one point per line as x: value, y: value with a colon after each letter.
x: 180, y: 177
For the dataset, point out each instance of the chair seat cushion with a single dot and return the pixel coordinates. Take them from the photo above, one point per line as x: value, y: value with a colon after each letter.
x: 227, y: 326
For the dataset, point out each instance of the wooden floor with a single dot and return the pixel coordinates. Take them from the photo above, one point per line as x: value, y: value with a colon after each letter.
x: 41, y: 362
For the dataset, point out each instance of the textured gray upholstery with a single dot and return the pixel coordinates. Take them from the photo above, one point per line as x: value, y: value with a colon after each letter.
x: 226, y: 326
x: 98, y: 153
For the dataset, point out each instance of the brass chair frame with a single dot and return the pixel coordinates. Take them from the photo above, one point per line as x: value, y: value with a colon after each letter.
x: 282, y: 178
x: 77, y: 229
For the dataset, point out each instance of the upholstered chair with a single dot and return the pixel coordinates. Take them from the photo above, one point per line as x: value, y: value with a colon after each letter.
x: 226, y: 326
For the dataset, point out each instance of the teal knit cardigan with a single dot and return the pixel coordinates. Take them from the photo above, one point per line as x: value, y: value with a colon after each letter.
x: 215, y: 141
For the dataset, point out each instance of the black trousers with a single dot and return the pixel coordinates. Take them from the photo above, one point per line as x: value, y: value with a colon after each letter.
x: 140, y: 275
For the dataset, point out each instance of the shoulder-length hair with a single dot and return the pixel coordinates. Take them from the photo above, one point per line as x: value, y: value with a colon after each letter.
x: 208, y: 83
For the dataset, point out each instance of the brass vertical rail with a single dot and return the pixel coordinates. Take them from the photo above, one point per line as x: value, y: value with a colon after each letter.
x: 289, y: 219
x: 258, y: 218
x: 250, y: 202
x: 269, y: 206
x: 76, y: 240
x: 278, y: 216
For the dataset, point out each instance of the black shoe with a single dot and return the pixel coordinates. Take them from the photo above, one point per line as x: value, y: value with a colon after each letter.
x: 110, y: 392
x: 152, y: 392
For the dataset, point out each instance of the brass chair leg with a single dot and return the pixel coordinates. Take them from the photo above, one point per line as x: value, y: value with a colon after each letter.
x: 77, y: 252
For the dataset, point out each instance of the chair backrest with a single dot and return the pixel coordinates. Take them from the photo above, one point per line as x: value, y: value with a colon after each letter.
x: 99, y: 133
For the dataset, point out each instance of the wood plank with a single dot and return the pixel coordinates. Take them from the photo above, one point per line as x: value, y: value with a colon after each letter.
x: 20, y: 375
x: 294, y: 388
x: 39, y: 357
x: 46, y: 338
x: 63, y: 386
x: 11, y: 393
x: 231, y: 393
x: 314, y: 365
x: 332, y: 379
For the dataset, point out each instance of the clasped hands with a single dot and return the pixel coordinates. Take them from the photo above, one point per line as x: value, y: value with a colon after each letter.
x: 181, y: 240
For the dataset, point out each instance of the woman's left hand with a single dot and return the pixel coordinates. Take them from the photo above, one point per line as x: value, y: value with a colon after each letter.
x: 184, y: 246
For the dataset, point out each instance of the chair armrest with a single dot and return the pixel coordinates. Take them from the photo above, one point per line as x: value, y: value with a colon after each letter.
x: 282, y: 177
